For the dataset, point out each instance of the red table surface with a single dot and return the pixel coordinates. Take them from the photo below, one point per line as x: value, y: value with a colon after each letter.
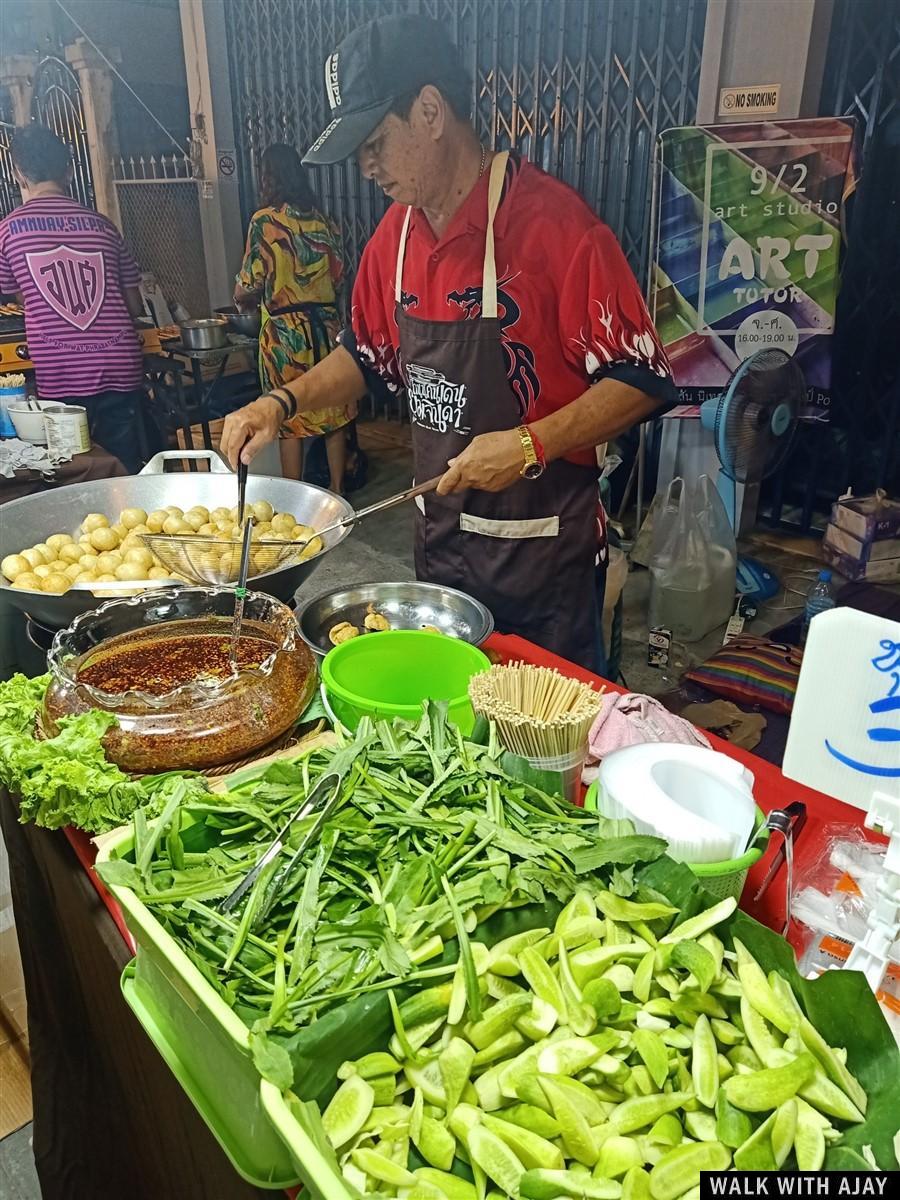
x: 771, y: 789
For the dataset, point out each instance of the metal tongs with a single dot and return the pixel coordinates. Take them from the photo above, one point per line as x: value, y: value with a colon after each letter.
x: 324, y: 797
x: 789, y: 822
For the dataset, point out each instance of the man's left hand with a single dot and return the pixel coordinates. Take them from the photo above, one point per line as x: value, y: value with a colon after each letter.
x: 490, y: 463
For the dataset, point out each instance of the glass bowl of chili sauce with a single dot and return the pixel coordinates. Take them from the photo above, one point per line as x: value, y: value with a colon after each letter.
x: 161, y: 663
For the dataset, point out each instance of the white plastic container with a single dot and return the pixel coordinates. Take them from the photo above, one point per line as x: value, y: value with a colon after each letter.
x: 29, y: 422
x: 699, y: 800
x: 67, y: 430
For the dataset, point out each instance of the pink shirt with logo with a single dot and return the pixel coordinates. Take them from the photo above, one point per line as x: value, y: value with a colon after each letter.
x: 72, y: 267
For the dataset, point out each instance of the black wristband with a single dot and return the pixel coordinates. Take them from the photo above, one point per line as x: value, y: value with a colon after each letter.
x: 285, y: 412
x: 281, y: 393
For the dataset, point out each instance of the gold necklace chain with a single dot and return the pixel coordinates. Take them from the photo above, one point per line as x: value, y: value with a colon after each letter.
x: 483, y: 160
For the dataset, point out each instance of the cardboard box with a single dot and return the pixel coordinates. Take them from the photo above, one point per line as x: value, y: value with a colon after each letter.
x: 861, y: 552
x: 879, y: 570
x: 869, y: 518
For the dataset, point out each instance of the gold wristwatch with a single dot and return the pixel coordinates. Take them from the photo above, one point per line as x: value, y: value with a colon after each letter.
x: 533, y: 467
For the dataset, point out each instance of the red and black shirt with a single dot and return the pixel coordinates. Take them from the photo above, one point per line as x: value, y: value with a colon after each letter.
x: 570, y: 310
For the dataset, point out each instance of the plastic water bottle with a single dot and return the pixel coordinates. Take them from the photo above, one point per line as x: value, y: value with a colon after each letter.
x: 819, y: 598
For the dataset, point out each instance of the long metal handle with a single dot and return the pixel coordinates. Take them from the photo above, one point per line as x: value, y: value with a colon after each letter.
x: 382, y: 506
x: 157, y: 464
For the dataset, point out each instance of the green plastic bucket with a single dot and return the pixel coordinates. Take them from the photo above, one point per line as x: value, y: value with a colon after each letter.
x: 721, y: 879
x: 389, y: 675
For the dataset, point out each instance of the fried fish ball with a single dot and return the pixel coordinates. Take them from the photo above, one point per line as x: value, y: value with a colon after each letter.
x: 130, y: 571
x: 94, y: 521
x: 374, y: 621
x: 85, y: 540
x: 262, y: 510
x: 312, y: 548
x: 158, y: 573
x: 138, y: 529
x: 73, y: 570
x: 85, y: 576
x: 284, y: 522
x: 104, y: 538
x: 195, y: 520
x: 141, y: 555
x: 27, y: 581
x: 57, y: 540
x: 130, y: 517
x: 34, y: 557
x: 107, y: 562
x: 56, y: 582
x: 14, y: 565
x: 156, y: 519
x: 209, y: 529
x: 42, y: 570
x: 130, y: 541
x: 71, y: 552
x: 174, y: 511
x: 43, y: 548
x: 342, y: 632
x: 105, y: 577
x: 176, y: 524
x: 219, y: 514
x: 233, y: 515
x: 88, y: 560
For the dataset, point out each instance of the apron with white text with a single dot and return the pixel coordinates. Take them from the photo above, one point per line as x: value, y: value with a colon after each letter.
x: 528, y: 552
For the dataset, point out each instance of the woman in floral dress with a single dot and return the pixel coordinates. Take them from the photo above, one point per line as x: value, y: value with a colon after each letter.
x: 292, y: 266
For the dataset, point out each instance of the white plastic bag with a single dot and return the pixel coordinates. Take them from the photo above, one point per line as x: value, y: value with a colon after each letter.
x: 694, y: 561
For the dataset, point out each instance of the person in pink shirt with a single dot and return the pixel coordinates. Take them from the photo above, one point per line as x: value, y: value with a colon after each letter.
x: 80, y: 288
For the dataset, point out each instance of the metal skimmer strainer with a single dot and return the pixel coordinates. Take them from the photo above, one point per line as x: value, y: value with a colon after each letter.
x: 218, y: 560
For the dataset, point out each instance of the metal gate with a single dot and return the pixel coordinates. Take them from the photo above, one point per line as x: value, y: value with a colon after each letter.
x: 862, y: 78
x: 10, y: 196
x: 581, y: 87
x: 56, y: 103
x: 159, y: 203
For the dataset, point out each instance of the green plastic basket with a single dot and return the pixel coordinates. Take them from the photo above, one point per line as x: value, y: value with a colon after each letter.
x: 722, y: 879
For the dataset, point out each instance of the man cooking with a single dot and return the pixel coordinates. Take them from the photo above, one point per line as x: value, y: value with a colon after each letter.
x: 493, y: 296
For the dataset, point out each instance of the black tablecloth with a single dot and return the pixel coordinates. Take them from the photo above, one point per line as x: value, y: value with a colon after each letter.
x: 110, y: 1120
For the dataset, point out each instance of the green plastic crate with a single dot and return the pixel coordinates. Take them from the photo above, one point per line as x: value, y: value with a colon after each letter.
x: 205, y: 1045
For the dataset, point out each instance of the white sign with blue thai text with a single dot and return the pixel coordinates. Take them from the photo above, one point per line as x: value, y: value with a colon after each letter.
x: 844, y: 738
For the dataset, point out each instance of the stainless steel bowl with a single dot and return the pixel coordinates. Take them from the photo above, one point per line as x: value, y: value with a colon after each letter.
x: 245, y: 323
x: 206, y: 333
x: 409, y: 605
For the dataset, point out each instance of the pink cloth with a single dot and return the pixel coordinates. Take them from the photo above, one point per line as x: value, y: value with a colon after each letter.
x: 632, y: 719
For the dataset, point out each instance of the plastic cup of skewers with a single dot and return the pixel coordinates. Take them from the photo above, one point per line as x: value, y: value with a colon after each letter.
x: 541, y: 716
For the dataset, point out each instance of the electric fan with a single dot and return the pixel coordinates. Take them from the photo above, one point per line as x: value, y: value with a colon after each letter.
x: 753, y: 424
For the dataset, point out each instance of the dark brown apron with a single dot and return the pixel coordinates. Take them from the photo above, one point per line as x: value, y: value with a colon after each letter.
x: 527, y: 552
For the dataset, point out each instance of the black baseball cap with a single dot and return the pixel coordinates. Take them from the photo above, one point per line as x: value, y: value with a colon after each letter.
x: 370, y: 69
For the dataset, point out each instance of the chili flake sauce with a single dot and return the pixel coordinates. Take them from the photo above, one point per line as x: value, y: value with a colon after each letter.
x: 164, y: 664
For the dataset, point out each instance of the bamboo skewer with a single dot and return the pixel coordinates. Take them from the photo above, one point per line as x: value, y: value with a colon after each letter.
x: 538, y: 713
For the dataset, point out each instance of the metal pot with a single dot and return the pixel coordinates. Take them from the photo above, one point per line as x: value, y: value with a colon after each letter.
x: 32, y: 519
x: 245, y: 323
x: 206, y: 333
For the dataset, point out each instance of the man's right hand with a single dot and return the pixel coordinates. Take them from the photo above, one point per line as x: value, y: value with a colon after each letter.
x: 250, y: 428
